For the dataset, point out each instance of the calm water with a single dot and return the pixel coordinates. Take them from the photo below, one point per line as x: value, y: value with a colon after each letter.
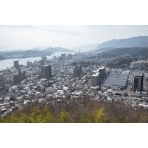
x: 9, y: 63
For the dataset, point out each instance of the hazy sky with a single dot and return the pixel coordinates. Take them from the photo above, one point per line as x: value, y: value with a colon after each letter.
x: 27, y: 37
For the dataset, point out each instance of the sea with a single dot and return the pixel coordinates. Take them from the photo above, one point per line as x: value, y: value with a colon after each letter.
x: 23, y: 61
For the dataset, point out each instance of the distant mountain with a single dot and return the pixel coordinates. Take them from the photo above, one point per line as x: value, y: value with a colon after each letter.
x: 35, y: 52
x: 140, y: 41
x: 100, y: 50
x: 25, y: 53
x: 87, y: 48
x: 57, y: 49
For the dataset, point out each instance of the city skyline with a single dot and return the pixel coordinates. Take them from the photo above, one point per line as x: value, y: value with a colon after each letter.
x: 31, y: 36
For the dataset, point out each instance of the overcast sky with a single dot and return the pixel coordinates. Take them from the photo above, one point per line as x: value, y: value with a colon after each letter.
x: 27, y: 37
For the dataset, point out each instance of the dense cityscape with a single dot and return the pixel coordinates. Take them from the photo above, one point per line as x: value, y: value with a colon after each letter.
x: 73, y: 74
x: 72, y: 77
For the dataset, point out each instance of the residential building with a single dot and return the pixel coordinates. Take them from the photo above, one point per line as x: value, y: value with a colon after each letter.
x: 95, y: 79
x: 18, y: 77
x: 102, y: 71
x: 77, y: 71
x: 46, y: 71
x: 2, y: 83
x: 138, y: 81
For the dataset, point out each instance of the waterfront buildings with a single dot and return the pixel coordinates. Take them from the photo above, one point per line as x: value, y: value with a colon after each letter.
x: 16, y: 64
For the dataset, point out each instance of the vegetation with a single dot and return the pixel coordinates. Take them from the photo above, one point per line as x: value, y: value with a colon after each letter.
x: 77, y: 111
x: 121, y: 62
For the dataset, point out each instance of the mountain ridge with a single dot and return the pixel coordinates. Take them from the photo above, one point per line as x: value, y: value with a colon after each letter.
x: 137, y: 41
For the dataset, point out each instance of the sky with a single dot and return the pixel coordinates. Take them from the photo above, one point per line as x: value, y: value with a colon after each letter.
x: 14, y: 37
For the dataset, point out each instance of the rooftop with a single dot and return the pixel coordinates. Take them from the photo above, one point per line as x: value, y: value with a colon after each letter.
x: 117, y: 80
x: 138, y: 74
x: 95, y: 75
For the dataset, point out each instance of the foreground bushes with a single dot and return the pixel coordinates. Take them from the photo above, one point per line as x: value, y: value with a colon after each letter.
x: 77, y: 111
